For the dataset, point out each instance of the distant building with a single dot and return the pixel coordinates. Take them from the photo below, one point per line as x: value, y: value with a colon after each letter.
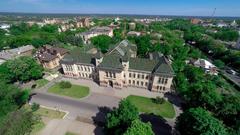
x: 96, y: 31
x: 132, y: 26
x: 133, y: 33
x: 14, y: 53
x: 83, y: 22
x: 4, y: 26
x: 234, y: 24
x: 120, y: 68
x: 117, y: 19
x: 50, y: 56
x: 222, y: 24
x: 196, y: 21
x: 207, y: 66
x: 71, y: 25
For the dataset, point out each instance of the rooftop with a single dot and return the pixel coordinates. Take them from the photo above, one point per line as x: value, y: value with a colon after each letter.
x: 10, y: 54
x: 48, y: 53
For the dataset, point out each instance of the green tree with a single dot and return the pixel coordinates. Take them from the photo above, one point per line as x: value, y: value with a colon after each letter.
x: 229, y: 110
x: 11, y: 98
x: 102, y: 42
x: 121, y: 118
x: 219, y: 63
x: 65, y: 84
x: 139, y: 128
x: 19, y: 29
x: 143, y: 45
x: 227, y: 35
x: 203, y: 94
x: 21, y: 69
x: 197, y: 121
x: 19, y: 122
x: 50, y: 28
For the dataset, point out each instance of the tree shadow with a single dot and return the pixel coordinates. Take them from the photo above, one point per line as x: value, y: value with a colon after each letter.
x: 174, y: 99
x: 100, y: 119
x: 159, y: 124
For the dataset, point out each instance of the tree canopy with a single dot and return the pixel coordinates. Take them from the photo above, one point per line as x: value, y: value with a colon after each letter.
x: 21, y: 69
x: 121, y: 118
x: 102, y: 42
x: 139, y: 128
x: 197, y: 121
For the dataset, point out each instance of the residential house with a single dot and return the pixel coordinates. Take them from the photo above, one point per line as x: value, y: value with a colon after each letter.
x: 207, y: 66
x: 95, y: 31
x: 49, y: 56
x: 16, y: 52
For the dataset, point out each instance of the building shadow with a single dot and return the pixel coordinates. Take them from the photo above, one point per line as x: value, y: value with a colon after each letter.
x: 100, y: 119
x: 159, y: 124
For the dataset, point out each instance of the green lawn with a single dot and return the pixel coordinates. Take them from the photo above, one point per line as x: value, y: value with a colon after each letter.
x: 47, y: 112
x: 50, y: 113
x: 41, y: 82
x: 37, y: 128
x: 146, y: 105
x: 76, y: 91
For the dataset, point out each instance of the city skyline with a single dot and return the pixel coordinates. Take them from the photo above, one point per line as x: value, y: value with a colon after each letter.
x: 138, y: 7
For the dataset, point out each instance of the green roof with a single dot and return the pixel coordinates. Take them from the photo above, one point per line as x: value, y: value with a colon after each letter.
x: 78, y: 57
x: 160, y: 66
x: 123, y: 48
x: 111, y: 62
x: 142, y: 64
x: 164, y: 67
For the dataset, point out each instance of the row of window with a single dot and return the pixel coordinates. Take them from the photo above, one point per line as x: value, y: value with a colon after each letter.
x: 162, y: 80
x: 161, y: 88
x: 69, y: 68
x: 85, y: 75
x: 139, y: 76
x: 84, y: 68
x: 111, y: 74
x: 138, y: 83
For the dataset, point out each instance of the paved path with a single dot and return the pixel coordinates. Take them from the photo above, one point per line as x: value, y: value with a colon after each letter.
x: 61, y: 126
x: 90, y: 106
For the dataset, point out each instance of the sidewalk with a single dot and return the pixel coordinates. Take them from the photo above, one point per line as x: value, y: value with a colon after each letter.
x: 120, y: 93
x: 61, y: 126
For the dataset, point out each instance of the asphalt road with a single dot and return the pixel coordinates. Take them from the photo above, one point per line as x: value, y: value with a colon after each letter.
x: 87, y: 107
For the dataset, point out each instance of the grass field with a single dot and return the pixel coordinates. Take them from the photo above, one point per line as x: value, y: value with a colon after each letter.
x: 147, y: 105
x: 76, y: 91
x: 50, y: 113
x: 41, y: 82
x: 47, y: 112
x: 37, y: 128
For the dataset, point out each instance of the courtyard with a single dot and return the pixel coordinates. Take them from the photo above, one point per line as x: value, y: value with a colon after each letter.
x: 96, y: 98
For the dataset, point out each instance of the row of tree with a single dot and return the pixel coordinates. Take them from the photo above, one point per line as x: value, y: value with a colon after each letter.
x: 14, y: 118
x: 23, y: 34
x: 204, y: 94
x: 209, y: 110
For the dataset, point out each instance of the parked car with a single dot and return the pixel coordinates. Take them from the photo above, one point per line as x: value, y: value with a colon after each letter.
x: 232, y: 72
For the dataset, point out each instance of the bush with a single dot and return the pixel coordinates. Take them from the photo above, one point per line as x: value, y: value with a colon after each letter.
x: 159, y: 100
x: 35, y: 107
x: 65, y: 84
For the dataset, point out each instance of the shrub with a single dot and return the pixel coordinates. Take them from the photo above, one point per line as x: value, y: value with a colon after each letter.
x: 35, y: 107
x: 65, y: 84
x: 159, y: 100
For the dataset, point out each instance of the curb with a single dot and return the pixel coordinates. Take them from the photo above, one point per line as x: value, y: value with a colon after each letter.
x: 55, y: 109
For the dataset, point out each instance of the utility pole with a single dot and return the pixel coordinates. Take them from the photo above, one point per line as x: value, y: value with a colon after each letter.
x: 214, y: 11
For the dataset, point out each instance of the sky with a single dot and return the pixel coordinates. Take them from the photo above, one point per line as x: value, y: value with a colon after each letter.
x: 143, y: 7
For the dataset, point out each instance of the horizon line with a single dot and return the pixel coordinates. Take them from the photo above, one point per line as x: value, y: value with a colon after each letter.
x: 121, y: 14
